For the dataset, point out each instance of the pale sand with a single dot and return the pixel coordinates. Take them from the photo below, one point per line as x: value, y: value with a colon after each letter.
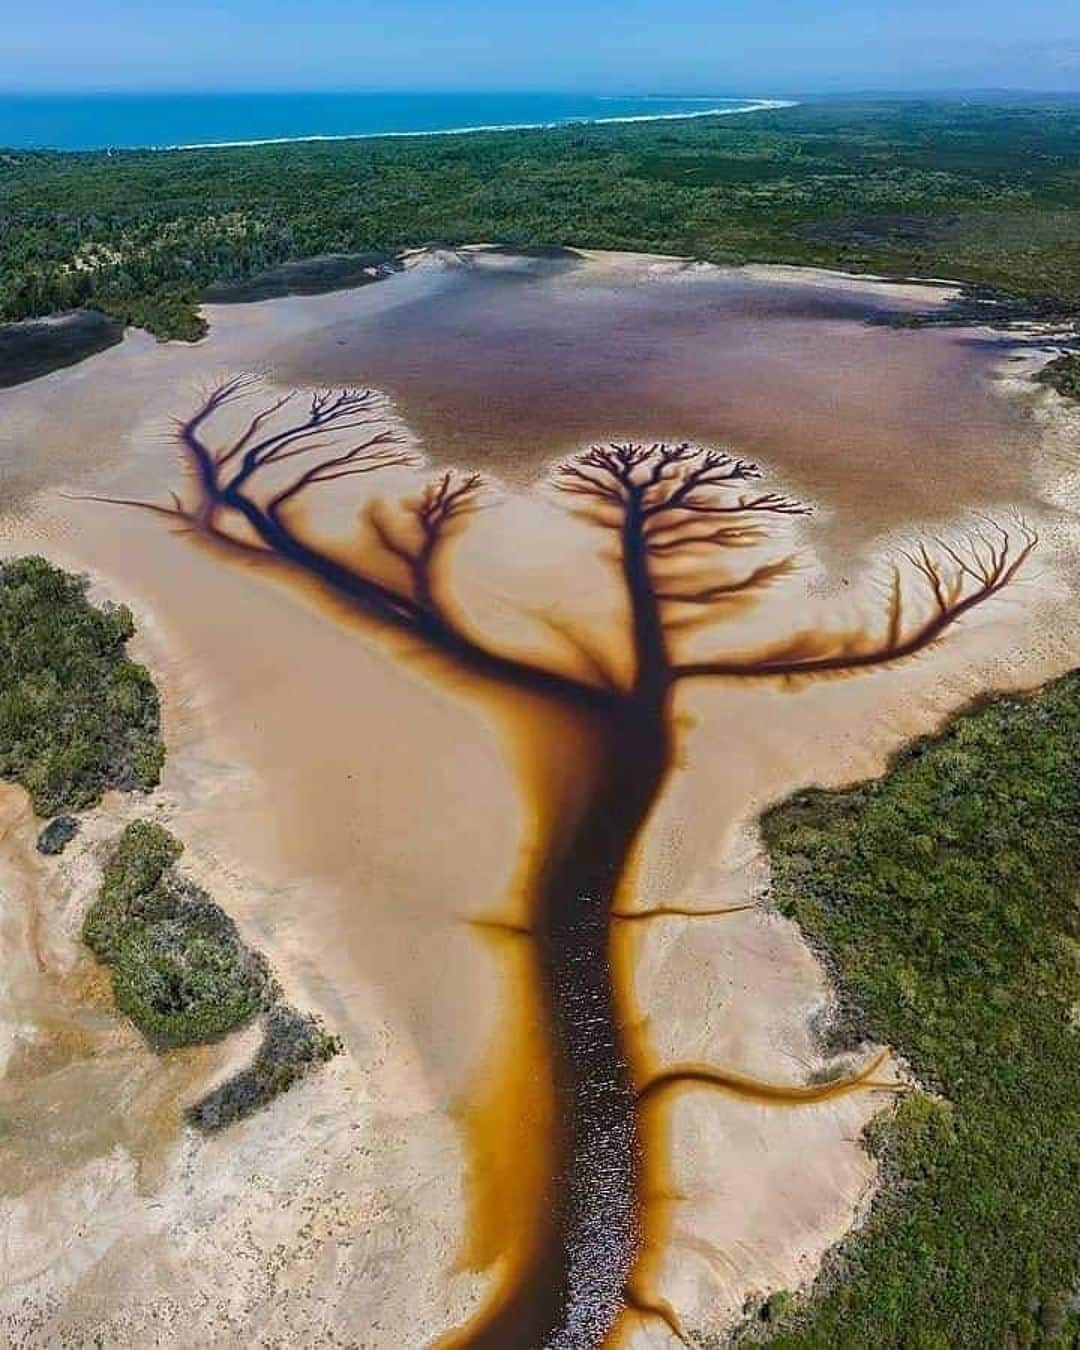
x: 350, y: 813
x: 922, y: 294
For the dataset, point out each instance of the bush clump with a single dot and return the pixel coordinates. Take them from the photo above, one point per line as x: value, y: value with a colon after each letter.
x: 1063, y: 374
x: 186, y: 980
x: 293, y: 1044
x: 179, y: 968
x: 56, y: 836
x: 184, y: 976
x: 946, y: 897
x: 76, y: 716
x: 134, y: 889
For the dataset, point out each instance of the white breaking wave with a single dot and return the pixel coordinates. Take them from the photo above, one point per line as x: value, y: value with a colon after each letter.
x: 751, y: 105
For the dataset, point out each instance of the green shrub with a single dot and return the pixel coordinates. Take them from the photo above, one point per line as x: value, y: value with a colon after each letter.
x: 56, y: 836
x: 1063, y: 374
x: 132, y: 890
x: 179, y: 968
x: 184, y: 981
x: 76, y: 716
x: 293, y: 1044
x: 182, y: 974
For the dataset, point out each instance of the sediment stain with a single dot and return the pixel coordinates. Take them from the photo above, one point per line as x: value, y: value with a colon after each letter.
x: 571, y: 1256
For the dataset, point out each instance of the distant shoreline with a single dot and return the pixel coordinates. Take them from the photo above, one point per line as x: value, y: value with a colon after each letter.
x: 757, y: 105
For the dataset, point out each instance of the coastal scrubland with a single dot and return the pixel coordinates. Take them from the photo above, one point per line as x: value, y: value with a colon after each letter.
x: 983, y: 191
x: 76, y: 715
x: 945, y: 897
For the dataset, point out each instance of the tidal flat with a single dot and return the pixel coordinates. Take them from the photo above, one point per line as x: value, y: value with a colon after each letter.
x: 375, y: 814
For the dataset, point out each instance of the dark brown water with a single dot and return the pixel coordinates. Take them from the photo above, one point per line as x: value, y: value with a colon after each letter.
x: 506, y: 369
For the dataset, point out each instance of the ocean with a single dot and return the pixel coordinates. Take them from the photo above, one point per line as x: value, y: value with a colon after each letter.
x: 169, y: 121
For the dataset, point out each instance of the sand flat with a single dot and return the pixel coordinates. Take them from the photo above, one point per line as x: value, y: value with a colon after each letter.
x: 354, y: 811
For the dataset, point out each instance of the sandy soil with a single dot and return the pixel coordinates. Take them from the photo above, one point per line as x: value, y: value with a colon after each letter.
x: 354, y: 813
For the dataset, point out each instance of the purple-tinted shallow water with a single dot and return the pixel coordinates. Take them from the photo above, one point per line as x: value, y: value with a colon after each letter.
x: 508, y: 369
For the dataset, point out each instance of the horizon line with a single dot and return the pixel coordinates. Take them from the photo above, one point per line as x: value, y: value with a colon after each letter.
x: 805, y: 92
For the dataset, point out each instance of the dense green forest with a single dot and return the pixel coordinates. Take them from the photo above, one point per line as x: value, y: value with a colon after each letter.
x: 946, y: 898
x: 984, y: 191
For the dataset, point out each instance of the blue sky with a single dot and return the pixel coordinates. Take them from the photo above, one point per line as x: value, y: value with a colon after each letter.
x: 632, y: 46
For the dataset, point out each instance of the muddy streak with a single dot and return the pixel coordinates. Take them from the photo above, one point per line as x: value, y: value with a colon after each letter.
x: 506, y: 1120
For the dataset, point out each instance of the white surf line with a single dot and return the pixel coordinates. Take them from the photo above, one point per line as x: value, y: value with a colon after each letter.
x: 755, y: 105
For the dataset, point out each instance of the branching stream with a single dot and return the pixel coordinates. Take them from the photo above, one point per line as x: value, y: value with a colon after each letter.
x: 680, y: 518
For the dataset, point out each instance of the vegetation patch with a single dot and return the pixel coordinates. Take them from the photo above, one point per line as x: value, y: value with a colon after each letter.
x: 36, y: 347
x: 56, y: 836
x: 946, y: 898
x: 184, y: 976
x: 1063, y: 374
x: 187, y: 979
x: 76, y: 716
x: 179, y: 968
x: 306, y: 276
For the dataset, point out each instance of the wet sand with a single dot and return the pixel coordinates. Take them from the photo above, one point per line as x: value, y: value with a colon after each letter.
x: 34, y: 347
x: 353, y: 811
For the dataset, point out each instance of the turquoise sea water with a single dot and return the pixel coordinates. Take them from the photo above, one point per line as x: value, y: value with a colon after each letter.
x: 128, y: 121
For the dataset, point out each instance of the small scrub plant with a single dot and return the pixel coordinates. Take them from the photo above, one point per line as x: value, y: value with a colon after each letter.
x: 293, y: 1044
x: 185, y: 981
x: 56, y: 836
x: 179, y: 968
x: 134, y: 889
x: 777, y: 1306
x: 76, y: 715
